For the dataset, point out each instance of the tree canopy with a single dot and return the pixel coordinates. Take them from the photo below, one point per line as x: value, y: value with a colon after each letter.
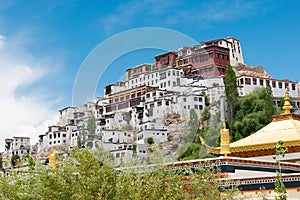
x: 150, y: 140
x: 194, y: 127
x: 91, y: 125
x: 231, y: 91
x: 253, y: 112
x: 205, y: 116
x: 15, y: 159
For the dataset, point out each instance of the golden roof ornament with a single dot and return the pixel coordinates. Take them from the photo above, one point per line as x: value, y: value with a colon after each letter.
x: 287, y: 105
x: 52, y: 158
x: 225, y: 140
x: 202, y: 141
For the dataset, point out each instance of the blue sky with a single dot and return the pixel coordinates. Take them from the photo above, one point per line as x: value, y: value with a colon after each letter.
x: 43, y: 43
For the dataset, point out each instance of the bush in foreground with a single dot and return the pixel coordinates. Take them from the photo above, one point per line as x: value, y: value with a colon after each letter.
x: 90, y: 175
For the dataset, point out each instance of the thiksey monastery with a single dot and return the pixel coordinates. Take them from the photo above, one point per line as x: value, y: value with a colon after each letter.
x: 154, y: 102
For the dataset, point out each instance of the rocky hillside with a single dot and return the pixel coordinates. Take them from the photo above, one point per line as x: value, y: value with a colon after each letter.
x: 255, y: 71
x: 176, y: 133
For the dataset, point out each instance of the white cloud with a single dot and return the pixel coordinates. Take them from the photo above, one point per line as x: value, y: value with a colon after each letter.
x: 25, y: 106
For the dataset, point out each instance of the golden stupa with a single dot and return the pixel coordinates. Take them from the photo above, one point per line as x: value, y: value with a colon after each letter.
x: 52, y: 158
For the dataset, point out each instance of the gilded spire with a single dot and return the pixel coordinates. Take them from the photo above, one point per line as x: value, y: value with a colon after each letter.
x: 202, y: 141
x: 287, y: 105
x: 225, y: 140
x: 52, y: 158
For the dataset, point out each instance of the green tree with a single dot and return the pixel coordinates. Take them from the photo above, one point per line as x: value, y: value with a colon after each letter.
x: 91, y: 125
x: 31, y: 162
x: 194, y: 127
x: 79, y: 143
x: 150, y: 140
x: 188, y: 151
x: 254, y: 111
x: 207, y: 103
x: 205, y: 116
x: 231, y: 91
x: 212, y: 136
x: 81, y: 137
x: 192, y: 148
x: 15, y: 159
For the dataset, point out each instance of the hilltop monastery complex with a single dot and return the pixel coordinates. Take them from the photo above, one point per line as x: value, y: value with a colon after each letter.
x: 153, y: 97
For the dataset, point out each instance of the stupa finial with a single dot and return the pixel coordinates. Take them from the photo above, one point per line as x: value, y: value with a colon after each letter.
x: 225, y: 141
x: 224, y: 125
x: 287, y: 105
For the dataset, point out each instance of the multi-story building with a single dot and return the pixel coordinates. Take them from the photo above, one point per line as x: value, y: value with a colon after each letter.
x: 251, y: 77
x: 164, y: 78
x: 198, y: 61
x: 118, y: 136
x: 135, y: 71
x: 66, y: 115
x: 76, y: 115
x: 16, y: 146
x: 122, y: 155
x: 58, y: 136
x: 158, y: 135
x: 234, y: 46
x: 210, y: 58
x: 165, y: 60
x: 114, y: 88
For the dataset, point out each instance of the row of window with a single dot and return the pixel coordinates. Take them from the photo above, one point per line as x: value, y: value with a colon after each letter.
x: 159, y: 103
x: 278, y: 103
x: 268, y: 82
x: 195, y: 99
x: 128, y: 135
x: 204, y: 70
x: 163, y: 85
x: 74, y: 134
x: 58, y: 142
x: 154, y: 94
x: 58, y: 135
x: 222, y: 56
x: 203, y: 58
x: 16, y: 144
x: 162, y: 75
x: 118, y: 155
x: 142, y: 151
x: 142, y: 136
x: 21, y: 140
x: 158, y: 134
x: 196, y: 107
x: 21, y: 152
